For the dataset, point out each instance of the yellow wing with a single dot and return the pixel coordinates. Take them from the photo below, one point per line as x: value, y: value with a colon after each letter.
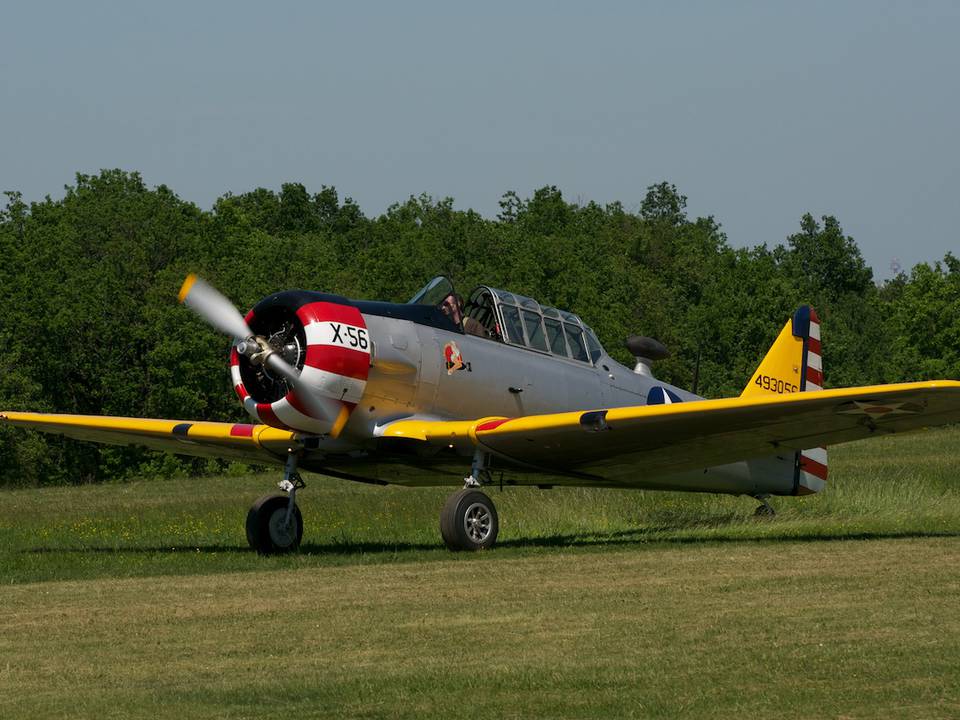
x: 253, y: 443
x: 654, y: 440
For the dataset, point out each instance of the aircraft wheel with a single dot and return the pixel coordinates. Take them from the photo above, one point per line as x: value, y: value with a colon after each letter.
x: 267, y: 530
x: 469, y: 521
x: 764, y: 511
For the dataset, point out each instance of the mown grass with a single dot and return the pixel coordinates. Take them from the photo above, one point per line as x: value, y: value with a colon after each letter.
x: 141, y: 600
x: 850, y: 629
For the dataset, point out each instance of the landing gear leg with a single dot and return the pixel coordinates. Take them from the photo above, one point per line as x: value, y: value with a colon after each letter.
x: 274, y: 522
x: 479, y: 471
x: 766, y: 509
x: 469, y: 518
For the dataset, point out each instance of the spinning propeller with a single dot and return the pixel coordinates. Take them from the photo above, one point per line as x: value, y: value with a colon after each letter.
x: 218, y: 311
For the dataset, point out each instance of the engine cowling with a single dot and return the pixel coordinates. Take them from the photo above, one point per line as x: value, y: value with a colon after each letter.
x: 327, y: 342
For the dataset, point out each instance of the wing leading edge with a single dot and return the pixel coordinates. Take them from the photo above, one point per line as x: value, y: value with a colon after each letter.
x: 654, y: 440
x: 253, y: 443
x: 616, y: 444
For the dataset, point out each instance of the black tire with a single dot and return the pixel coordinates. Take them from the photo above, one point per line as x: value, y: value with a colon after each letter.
x: 469, y: 521
x: 264, y: 526
x: 765, y: 512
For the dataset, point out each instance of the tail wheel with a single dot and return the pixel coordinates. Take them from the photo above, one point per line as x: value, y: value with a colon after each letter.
x: 268, y: 531
x: 469, y: 521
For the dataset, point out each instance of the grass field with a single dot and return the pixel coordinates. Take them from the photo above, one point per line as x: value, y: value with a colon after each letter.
x: 141, y: 600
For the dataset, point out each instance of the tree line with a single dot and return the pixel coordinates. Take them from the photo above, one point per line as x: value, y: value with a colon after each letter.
x: 90, y: 323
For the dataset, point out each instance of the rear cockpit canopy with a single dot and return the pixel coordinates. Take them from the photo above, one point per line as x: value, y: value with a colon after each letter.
x: 517, y: 320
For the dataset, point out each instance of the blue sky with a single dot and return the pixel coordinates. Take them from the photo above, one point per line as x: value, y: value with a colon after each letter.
x: 758, y: 112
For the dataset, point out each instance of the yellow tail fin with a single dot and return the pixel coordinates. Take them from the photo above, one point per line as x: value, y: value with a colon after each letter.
x: 794, y: 364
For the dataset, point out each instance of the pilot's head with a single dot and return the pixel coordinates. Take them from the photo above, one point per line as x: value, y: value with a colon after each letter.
x: 452, y: 307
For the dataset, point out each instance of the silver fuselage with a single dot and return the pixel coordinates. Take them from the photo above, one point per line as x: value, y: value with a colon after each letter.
x: 409, y: 378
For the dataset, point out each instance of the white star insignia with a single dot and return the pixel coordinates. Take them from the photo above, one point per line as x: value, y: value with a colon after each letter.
x: 877, y: 410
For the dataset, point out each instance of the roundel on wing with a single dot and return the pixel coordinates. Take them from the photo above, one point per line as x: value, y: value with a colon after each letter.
x: 661, y: 396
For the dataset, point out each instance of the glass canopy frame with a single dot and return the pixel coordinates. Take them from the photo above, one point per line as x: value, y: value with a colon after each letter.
x: 520, y: 321
x: 523, y: 322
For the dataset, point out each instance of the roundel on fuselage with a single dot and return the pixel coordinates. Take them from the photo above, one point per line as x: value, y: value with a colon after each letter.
x: 661, y: 396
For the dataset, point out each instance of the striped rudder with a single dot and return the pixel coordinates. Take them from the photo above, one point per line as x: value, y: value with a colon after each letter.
x: 811, y: 468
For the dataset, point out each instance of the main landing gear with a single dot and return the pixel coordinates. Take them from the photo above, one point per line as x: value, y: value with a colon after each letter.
x: 766, y: 509
x: 469, y: 518
x: 274, y: 522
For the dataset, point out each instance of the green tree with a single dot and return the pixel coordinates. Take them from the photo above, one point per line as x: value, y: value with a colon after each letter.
x: 923, y: 342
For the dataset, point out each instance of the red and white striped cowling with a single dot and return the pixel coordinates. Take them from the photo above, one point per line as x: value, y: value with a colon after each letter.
x: 334, y: 372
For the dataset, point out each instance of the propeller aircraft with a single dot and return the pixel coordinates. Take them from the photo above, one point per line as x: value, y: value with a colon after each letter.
x: 501, y: 389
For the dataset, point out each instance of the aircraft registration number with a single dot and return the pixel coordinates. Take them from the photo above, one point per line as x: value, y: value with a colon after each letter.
x: 775, y: 385
x: 349, y: 336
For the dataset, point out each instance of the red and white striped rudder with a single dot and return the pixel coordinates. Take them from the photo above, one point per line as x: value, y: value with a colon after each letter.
x: 811, y: 468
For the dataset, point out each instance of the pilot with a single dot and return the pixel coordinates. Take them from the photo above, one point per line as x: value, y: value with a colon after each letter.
x: 452, y: 307
x: 472, y: 326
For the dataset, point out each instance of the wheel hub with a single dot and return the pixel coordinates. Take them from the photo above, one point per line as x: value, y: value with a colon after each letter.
x: 477, y: 522
x: 282, y: 533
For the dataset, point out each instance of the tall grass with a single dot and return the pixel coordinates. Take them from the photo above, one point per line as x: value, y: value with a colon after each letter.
x: 886, y: 487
